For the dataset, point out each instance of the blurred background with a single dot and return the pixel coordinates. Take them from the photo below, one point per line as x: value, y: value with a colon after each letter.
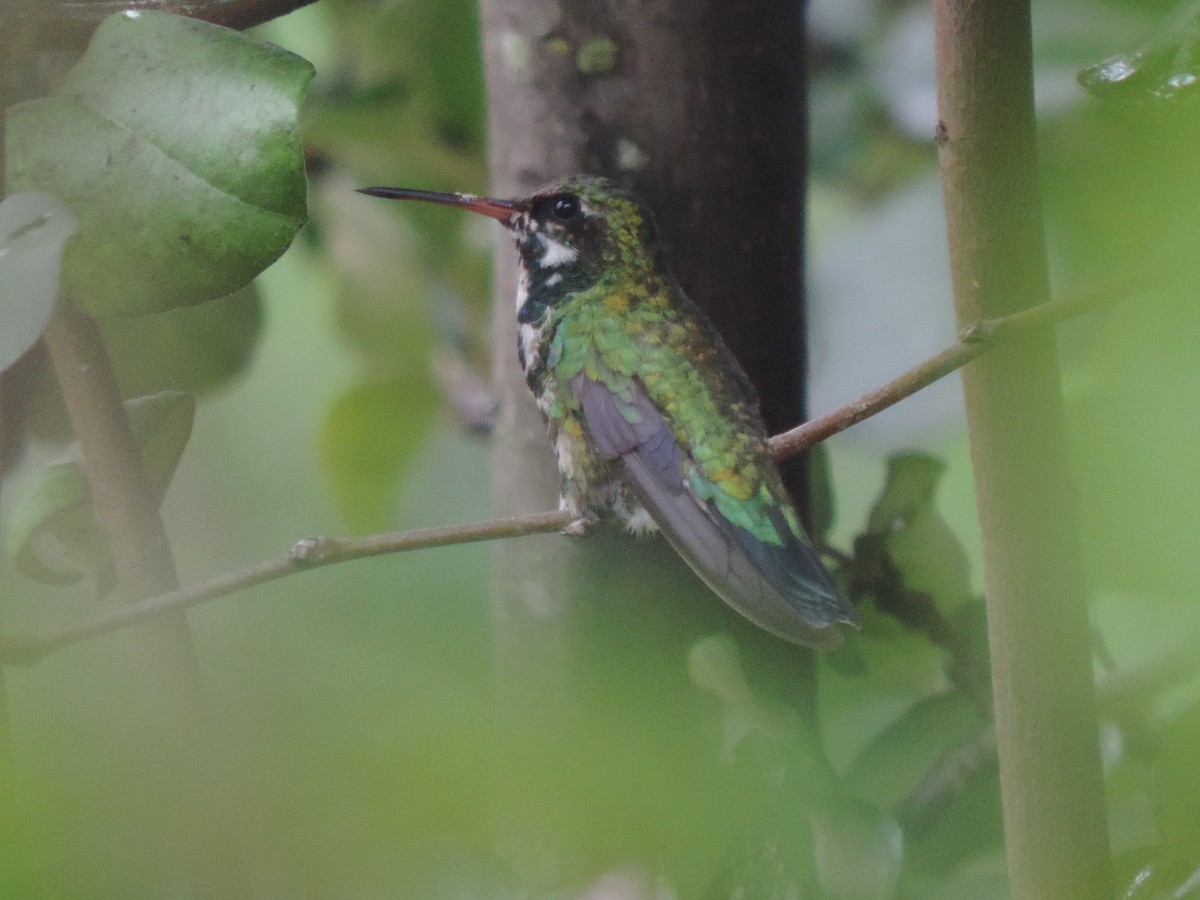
x: 347, y: 392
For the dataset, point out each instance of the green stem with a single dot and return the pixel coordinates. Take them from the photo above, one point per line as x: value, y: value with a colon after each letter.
x: 125, y: 506
x: 1051, y: 782
x: 182, y: 737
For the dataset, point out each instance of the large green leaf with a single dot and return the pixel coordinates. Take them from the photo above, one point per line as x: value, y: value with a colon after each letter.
x: 33, y: 229
x: 174, y: 142
x: 191, y: 349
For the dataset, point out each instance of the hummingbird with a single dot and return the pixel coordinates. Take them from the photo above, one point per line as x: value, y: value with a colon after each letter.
x: 653, y: 421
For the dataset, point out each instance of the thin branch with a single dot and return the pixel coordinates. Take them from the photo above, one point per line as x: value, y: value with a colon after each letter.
x: 975, y: 340
x: 313, y: 553
x: 310, y: 553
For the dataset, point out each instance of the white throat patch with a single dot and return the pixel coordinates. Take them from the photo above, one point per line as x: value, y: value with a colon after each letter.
x: 555, y: 254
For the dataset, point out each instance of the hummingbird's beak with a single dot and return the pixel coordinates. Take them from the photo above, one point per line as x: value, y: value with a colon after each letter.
x: 501, y: 210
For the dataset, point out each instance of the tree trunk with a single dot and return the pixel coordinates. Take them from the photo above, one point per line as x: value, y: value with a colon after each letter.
x: 698, y: 107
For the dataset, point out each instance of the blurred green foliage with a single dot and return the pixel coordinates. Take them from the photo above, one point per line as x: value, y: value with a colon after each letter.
x: 357, y: 728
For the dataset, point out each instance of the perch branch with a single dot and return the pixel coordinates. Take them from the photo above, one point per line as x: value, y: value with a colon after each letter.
x: 974, y: 341
x: 316, y: 552
x: 310, y: 553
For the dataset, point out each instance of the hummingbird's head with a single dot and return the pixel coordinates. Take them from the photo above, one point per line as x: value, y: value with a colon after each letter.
x: 571, y: 234
x: 584, y: 229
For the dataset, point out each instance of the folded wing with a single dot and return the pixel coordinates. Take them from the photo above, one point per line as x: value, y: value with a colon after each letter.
x: 783, y: 588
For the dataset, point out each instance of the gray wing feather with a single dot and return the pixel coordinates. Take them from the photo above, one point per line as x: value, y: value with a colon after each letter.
x: 781, y: 589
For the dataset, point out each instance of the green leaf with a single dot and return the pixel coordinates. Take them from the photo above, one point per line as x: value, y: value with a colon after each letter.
x: 370, y: 436
x: 1164, y: 68
x: 965, y: 825
x: 52, y: 533
x: 191, y: 349
x: 33, y: 229
x: 162, y: 425
x: 746, y: 721
x: 928, y: 554
x: 858, y: 848
x: 897, y: 760
x: 1176, y: 812
x: 174, y: 142
x: 820, y: 491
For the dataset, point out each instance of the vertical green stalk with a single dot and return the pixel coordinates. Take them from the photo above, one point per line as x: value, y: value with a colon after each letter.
x: 1051, y: 781
x: 127, y: 511
x: 125, y: 506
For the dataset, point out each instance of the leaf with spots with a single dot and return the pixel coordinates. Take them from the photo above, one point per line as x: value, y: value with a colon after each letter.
x: 174, y: 143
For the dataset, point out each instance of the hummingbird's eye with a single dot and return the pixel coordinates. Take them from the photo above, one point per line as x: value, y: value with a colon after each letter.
x: 565, y: 207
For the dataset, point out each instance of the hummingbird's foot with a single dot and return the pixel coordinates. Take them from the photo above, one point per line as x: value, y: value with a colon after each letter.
x: 640, y: 522
x: 580, y: 527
